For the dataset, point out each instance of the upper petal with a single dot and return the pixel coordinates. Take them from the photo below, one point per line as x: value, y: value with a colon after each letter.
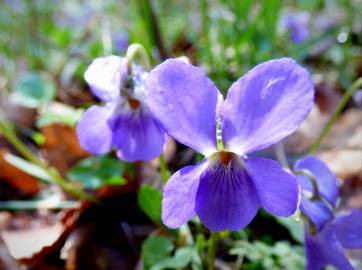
x: 178, y: 203
x: 226, y: 198
x: 137, y: 135
x: 348, y: 229
x: 276, y: 188
x: 266, y: 105
x: 184, y: 101
x: 93, y: 131
x: 326, y: 180
x: 324, y: 249
x: 106, y: 75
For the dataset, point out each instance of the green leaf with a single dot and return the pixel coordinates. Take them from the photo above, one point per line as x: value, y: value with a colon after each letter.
x: 294, y: 227
x: 33, y: 91
x: 58, y: 113
x: 28, y: 167
x: 181, y: 259
x: 95, y: 172
x: 155, y: 249
x: 149, y: 200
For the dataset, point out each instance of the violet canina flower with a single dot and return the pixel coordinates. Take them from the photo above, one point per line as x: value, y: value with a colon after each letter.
x: 124, y: 121
x: 327, y: 236
x: 227, y: 188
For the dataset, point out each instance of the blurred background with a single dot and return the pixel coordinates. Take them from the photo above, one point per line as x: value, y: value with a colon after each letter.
x: 45, y: 47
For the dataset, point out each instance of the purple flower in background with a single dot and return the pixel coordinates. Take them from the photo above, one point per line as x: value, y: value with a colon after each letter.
x: 121, y: 42
x: 227, y: 188
x: 297, y: 25
x: 325, y: 244
x: 124, y: 121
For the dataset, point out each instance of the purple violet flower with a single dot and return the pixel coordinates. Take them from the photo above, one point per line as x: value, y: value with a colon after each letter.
x: 124, y: 121
x: 297, y: 25
x: 227, y: 188
x: 325, y: 244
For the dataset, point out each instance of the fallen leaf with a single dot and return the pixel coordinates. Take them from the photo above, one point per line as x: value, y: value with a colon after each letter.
x: 16, y: 178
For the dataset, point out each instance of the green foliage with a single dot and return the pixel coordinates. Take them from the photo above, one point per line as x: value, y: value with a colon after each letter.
x: 95, y: 172
x: 156, y: 254
x: 294, y: 227
x: 282, y: 255
x: 155, y: 249
x: 33, y: 91
x: 182, y: 258
x: 149, y: 200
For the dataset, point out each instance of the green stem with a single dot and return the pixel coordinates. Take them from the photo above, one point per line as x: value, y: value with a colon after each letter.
x: 36, y: 205
x: 151, y: 24
x: 163, y: 167
x: 354, y: 87
x: 9, y: 133
x: 211, y: 252
x: 137, y: 50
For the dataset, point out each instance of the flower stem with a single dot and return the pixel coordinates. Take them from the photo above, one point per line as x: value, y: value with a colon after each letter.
x: 137, y: 50
x: 163, y: 167
x: 8, y: 132
x: 211, y: 252
x: 281, y: 156
x: 354, y: 87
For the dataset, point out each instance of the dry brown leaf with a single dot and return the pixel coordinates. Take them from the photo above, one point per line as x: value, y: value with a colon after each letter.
x: 16, y: 178
x: 61, y: 147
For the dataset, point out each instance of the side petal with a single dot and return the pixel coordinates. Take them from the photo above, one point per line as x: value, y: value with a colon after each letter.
x: 184, y: 100
x: 93, y: 131
x: 326, y: 180
x: 348, y: 229
x: 277, y: 189
x: 324, y: 249
x: 178, y: 203
x: 137, y: 136
x: 316, y: 211
x: 226, y: 198
x: 266, y: 105
x: 105, y: 76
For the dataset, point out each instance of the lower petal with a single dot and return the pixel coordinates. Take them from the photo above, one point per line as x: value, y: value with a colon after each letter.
x: 226, y: 198
x: 138, y: 136
x: 277, y: 189
x: 324, y: 249
x: 93, y: 131
x: 348, y: 229
x: 178, y: 203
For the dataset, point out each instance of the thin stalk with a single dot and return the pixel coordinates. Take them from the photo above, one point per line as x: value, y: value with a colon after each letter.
x: 211, y: 252
x: 164, y: 170
x: 35, y: 205
x: 281, y: 156
x: 8, y: 132
x: 354, y: 87
x: 137, y: 50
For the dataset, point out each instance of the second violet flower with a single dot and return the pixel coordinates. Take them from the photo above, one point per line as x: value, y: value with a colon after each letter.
x: 227, y: 188
x: 124, y: 121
